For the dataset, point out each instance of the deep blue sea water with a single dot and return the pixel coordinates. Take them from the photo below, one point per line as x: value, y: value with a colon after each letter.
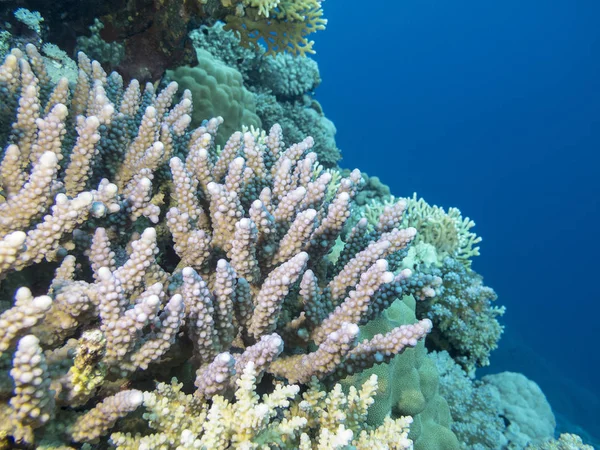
x: 493, y: 107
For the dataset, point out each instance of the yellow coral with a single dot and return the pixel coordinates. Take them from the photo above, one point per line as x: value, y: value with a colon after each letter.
x: 87, y: 372
x: 448, y: 231
x: 282, y: 25
x: 319, y: 420
x: 565, y: 441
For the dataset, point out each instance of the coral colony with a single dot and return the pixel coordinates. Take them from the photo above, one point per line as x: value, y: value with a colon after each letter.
x: 182, y: 266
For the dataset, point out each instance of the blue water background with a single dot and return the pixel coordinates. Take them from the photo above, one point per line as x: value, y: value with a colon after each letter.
x: 493, y: 107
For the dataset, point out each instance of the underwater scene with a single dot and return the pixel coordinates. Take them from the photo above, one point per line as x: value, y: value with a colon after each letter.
x: 298, y: 224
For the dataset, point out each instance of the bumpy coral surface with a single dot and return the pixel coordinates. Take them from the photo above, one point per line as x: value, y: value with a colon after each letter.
x: 464, y: 315
x: 282, y: 86
x: 218, y: 90
x: 474, y: 407
x: 173, y: 257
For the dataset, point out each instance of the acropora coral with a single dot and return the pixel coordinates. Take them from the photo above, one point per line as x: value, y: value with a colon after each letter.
x: 175, y: 257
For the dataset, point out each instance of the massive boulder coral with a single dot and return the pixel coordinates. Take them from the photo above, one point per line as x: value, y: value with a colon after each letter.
x: 218, y: 90
x: 282, y: 86
x: 172, y: 257
x: 408, y: 385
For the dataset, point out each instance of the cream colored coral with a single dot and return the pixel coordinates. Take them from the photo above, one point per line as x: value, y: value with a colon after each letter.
x: 273, y: 291
x: 33, y: 402
x: 103, y: 416
x: 357, y: 302
x: 26, y: 313
x: 448, y: 232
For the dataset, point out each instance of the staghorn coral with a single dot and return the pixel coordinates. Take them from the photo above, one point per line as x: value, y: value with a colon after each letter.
x: 191, y: 260
x: 464, y: 317
x: 282, y: 86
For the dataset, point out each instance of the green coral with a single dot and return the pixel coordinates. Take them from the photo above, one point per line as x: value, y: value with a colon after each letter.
x: 217, y: 90
x: 408, y: 385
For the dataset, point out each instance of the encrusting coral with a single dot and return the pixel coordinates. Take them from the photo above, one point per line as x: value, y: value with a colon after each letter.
x: 173, y: 256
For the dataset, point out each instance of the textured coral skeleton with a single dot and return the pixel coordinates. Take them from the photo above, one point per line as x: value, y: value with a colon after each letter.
x: 173, y: 256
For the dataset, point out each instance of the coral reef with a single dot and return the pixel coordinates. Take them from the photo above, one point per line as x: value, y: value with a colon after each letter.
x: 218, y: 91
x: 205, y: 263
x: 283, y: 25
x: 462, y: 311
x: 448, y: 232
x: 174, y: 275
x: 565, y: 441
x: 282, y: 88
x: 523, y: 404
x: 282, y: 419
x: 373, y: 192
x: 465, y: 319
x: 408, y: 385
x: 143, y: 38
x: 498, y: 412
x: 475, y: 411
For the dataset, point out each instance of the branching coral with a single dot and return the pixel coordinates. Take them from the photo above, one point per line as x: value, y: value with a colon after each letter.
x: 282, y: 86
x: 192, y: 259
x: 475, y: 409
x: 565, y: 441
x: 465, y: 319
x: 282, y: 25
x: 280, y: 419
x: 448, y: 231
